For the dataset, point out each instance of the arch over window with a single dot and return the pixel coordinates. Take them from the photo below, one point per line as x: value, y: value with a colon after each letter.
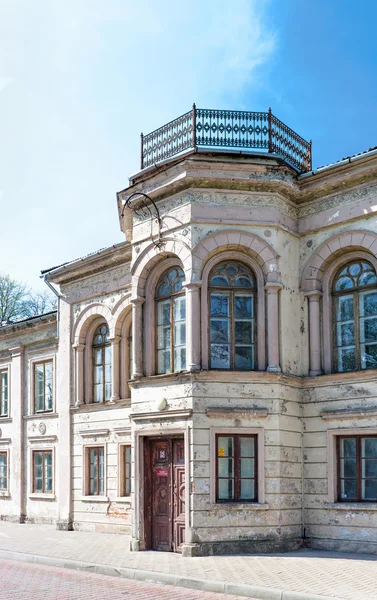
x: 354, y: 292
x: 232, y: 331
x: 171, y: 321
x: 101, y: 347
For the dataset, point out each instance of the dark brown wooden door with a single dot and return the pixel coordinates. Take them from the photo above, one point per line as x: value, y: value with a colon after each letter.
x: 165, y: 494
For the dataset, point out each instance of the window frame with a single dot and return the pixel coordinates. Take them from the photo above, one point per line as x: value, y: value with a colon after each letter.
x: 6, y: 371
x: 42, y: 451
x: 37, y: 363
x: 358, y: 437
x: 6, y: 489
x: 122, y: 462
x: 103, y: 346
x: 355, y: 293
x: 232, y: 291
x: 87, y: 481
x: 171, y: 297
x: 237, y: 479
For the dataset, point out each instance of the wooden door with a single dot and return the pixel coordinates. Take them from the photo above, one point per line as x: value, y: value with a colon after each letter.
x: 164, y: 494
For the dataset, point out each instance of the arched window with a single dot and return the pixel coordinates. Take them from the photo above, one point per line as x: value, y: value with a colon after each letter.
x: 171, y: 322
x: 101, y: 364
x: 355, y: 309
x: 232, y: 317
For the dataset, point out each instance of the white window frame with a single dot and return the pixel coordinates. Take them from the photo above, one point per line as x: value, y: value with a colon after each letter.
x: 36, y: 447
x: 6, y: 369
x: 121, y: 470
x: 32, y: 363
x: 86, y: 473
x: 5, y: 492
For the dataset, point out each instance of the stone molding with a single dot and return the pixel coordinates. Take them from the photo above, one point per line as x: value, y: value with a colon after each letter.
x: 42, y: 438
x: 93, y: 433
x: 221, y: 412
x: 359, y: 412
x: 162, y: 415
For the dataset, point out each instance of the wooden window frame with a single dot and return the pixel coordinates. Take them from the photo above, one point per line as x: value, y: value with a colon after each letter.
x: 237, y: 478
x: 171, y: 297
x: 122, y: 470
x: 43, y: 491
x: 95, y: 347
x: 36, y: 364
x: 4, y: 414
x: 355, y: 292
x: 232, y: 291
x: 6, y: 454
x: 88, y: 450
x: 358, y: 478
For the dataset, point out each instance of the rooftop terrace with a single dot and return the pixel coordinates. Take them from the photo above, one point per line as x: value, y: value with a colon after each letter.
x: 231, y: 129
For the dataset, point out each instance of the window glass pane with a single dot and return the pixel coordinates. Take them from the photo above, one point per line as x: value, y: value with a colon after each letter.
x: 219, y: 331
x: 108, y: 373
x: 180, y: 333
x: 369, y: 447
x: 368, y: 304
x: 107, y: 391
x: 179, y: 308
x: 244, y: 358
x: 226, y: 489
x: 243, y: 332
x: 369, y: 489
x: 225, y: 446
x: 247, y: 489
x: 367, y: 279
x: 98, y: 374
x: 348, y: 468
x: 180, y: 358
x: 219, y: 305
x: 108, y: 355
x: 225, y: 467
x: 220, y: 357
x: 345, y: 334
x: 369, y: 469
x: 163, y: 313
x: 344, y: 283
x: 344, y: 308
x: 368, y: 356
x: 97, y: 356
x: 39, y: 387
x: 163, y: 337
x: 348, y: 489
x: 368, y: 330
x: 247, y: 467
x: 4, y: 392
x: 348, y: 447
x: 243, y: 281
x: 163, y: 361
x: 346, y: 359
x: 98, y: 392
x: 247, y: 446
x: 243, y: 307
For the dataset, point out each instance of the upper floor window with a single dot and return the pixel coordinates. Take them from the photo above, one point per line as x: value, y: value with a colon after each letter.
x: 4, y: 387
x: 43, y: 387
x: 355, y: 310
x: 232, y: 317
x: 101, y: 364
x: 171, y: 322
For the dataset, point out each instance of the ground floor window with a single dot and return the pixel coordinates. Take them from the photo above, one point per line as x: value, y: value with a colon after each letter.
x: 357, y: 468
x: 126, y: 471
x: 42, y: 472
x: 3, y: 471
x: 236, y: 468
x: 96, y: 464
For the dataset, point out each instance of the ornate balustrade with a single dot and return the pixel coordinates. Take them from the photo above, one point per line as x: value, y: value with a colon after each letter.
x: 209, y: 128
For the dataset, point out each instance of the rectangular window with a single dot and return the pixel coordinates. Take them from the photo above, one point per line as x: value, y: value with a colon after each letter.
x: 43, y: 387
x: 357, y: 468
x: 236, y: 468
x: 126, y: 470
x: 42, y: 472
x: 96, y: 457
x: 3, y: 471
x: 4, y: 393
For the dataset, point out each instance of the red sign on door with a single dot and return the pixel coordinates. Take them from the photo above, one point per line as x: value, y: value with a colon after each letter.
x: 162, y: 472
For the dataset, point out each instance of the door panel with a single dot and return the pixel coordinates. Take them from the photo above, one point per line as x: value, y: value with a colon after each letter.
x: 165, y: 494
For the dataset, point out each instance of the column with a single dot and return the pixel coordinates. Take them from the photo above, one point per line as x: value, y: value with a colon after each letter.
x: 80, y: 398
x: 314, y: 298
x: 137, y: 336
x: 115, y: 369
x: 193, y: 325
x: 273, y: 289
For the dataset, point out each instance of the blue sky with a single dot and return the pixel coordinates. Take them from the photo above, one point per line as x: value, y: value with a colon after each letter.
x: 80, y: 79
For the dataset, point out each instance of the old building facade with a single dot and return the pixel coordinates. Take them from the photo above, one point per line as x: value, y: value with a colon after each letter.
x: 209, y: 384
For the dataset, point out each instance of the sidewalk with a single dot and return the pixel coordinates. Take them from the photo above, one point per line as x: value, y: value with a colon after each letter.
x: 305, y: 574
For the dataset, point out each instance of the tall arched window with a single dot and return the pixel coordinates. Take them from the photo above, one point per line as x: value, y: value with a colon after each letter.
x: 232, y: 317
x: 101, y: 364
x: 355, y: 310
x: 171, y: 322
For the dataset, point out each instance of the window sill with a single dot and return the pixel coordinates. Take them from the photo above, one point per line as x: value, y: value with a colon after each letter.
x: 5, y: 419
x: 352, y: 506
x: 102, y: 405
x: 122, y: 499
x: 4, y: 494
x: 41, y: 415
x: 241, y: 505
x: 40, y: 496
x: 94, y: 499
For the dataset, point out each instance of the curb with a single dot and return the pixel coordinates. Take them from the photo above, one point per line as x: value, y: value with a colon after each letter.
x: 220, y: 587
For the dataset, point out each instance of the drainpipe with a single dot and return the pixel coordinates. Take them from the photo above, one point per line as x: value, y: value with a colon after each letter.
x: 58, y: 295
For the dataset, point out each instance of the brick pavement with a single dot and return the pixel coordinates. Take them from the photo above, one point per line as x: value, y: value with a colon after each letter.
x: 349, y: 577
x: 25, y: 581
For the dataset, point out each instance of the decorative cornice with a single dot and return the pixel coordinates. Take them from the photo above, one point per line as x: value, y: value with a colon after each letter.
x: 93, y: 432
x: 43, y: 438
x: 5, y: 441
x: 359, y: 412
x: 221, y: 412
x: 161, y: 415
x: 122, y: 430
